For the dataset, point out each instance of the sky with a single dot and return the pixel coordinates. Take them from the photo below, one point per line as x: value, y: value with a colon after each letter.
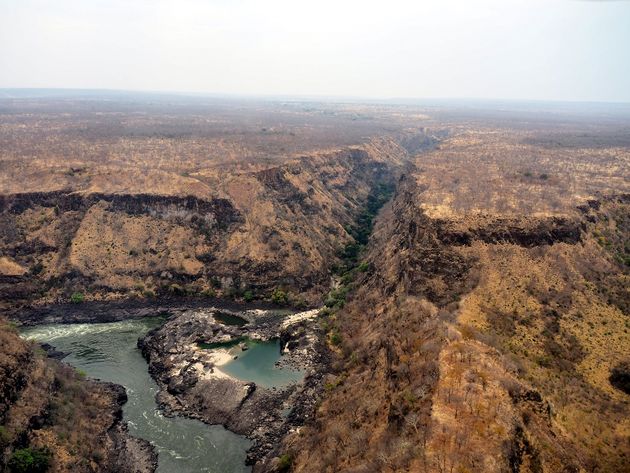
x: 573, y: 50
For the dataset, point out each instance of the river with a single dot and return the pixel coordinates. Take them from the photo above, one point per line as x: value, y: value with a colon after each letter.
x: 108, y: 352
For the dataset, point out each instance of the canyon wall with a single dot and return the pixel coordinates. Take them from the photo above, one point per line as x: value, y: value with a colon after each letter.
x: 276, y: 228
x: 478, y: 343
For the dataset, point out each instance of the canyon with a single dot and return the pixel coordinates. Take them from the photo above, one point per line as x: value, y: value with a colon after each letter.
x: 449, y: 287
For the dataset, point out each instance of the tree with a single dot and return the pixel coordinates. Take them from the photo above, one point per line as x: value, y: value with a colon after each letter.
x: 30, y: 460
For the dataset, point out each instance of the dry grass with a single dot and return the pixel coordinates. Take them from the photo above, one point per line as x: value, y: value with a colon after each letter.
x: 526, y: 332
x: 497, y: 172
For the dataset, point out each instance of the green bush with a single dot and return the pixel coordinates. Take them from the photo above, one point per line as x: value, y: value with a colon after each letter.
x: 208, y: 293
x: 299, y: 303
x: 335, y: 338
x: 38, y: 268
x: 350, y: 252
x: 77, y: 297
x: 285, y: 462
x: 30, y: 460
x: 248, y: 296
x: 622, y: 259
x: 325, y: 312
x: 278, y: 296
x: 337, y: 298
x: 348, y: 277
x: 234, y: 292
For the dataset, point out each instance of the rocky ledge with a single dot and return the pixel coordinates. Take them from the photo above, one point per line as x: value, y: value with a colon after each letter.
x: 185, y: 356
x: 128, y: 454
x: 118, y: 310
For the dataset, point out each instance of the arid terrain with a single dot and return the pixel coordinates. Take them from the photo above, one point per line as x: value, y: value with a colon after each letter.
x: 472, y: 263
x: 185, y: 198
x: 484, y: 336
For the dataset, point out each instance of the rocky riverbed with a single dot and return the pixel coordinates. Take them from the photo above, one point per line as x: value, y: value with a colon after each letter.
x: 186, y: 356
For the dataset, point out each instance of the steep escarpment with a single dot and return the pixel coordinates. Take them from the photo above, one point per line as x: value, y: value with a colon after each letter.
x: 522, y: 231
x: 297, y: 215
x: 376, y: 413
x: 276, y: 228
x: 218, y: 211
x: 61, y: 242
x: 556, y: 314
x: 477, y: 344
x: 50, y: 415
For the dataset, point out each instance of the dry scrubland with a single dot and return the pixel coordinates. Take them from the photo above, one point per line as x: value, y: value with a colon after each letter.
x: 495, y: 309
x: 476, y: 332
x: 498, y: 172
x: 173, y: 147
x: 186, y: 199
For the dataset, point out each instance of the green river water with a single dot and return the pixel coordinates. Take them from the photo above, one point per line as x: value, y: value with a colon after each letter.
x: 109, y: 352
x: 258, y: 364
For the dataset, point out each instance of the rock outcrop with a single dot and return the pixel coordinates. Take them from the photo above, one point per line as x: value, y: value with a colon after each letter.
x: 188, y: 370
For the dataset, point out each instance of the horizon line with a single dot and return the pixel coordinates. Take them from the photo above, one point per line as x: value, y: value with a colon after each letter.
x: 309, y: 97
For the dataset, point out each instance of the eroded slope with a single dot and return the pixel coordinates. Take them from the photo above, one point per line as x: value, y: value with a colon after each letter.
x: 483, y: 337
x: 280, y: 227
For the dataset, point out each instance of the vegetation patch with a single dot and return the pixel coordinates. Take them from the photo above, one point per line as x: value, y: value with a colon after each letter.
x: 279, y: 297
x: 361, y: 230
x: 30, y: 460
x: 284, y: 463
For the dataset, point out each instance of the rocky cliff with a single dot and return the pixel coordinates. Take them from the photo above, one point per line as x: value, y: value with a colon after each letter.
x: 280, y: 227
x: 476, y: 343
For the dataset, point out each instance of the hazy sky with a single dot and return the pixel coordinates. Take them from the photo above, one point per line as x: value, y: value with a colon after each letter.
x: 515, y: 49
